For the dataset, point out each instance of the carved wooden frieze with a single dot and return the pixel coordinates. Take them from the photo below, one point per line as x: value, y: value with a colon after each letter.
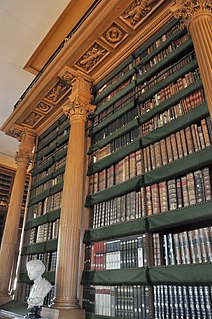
x: 32, y: 119
x: 92, y: 57
x: 114, y: 35
x: 136, y: 11
x: 60, y: 89
x: 43, y: 107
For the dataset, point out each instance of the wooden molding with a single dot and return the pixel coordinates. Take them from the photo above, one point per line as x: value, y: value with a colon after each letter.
x: 62, y: 27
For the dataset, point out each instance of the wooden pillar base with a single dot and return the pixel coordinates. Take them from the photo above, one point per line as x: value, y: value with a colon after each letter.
x: 65, y: 303
x: 62, y: 314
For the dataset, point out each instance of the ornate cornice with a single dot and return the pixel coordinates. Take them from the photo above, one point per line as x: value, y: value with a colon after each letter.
x: 187, y: 10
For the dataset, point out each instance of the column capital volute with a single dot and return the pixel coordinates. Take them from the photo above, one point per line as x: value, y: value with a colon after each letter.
x: 188, y: 10
x: 78, y: 110
x: 25, y: 153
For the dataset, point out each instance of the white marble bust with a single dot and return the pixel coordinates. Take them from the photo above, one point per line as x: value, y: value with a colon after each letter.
x: 41, y: 286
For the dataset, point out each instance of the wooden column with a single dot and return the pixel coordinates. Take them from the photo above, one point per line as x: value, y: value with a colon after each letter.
x: 67, y: 268
x: 9, y: 240
x: 196, y: 15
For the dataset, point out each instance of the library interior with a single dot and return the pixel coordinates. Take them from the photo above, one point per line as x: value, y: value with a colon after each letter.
x: 106, y: 158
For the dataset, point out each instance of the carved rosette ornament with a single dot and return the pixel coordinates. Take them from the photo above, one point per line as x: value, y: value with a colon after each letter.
x: 187, y: 10
x: 78, y: 110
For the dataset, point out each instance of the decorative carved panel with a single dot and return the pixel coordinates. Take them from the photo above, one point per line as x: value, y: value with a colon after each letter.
x: 43, y: 107
x: 136, y: 11
x: 32, y: 119
x: 93, y: 56
x: 114, y: 35
x: 60, y: 89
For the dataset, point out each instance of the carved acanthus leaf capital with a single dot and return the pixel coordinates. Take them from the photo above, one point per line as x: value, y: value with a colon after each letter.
x: 26, y: 147
x: 187, y: 10
x: 78, y: 109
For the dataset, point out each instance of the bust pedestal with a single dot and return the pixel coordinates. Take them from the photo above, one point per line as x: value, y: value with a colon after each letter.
x: 51, y: 313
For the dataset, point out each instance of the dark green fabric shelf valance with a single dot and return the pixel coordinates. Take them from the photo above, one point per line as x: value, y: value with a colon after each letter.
x: 112, y: 74
x: 132, y: 227
x: 123, y: 130
x: 48, y: 192
x: 155, y: 37
x: 49, y: 217
x: 43, y: 166
x: 183, y: 274
x: 115, y: 98
x: 113, y: 86
x: 179, y: 167
x: 49, y: 275
x: 115, y: 277
x: 185, y: 216
x: 113, y: 117
x: 187, y: 68
x: 191, y: 117
x: 180, y: 274
x: 114, y: 191
x: 50, y: 245
x: 170, y: 102
x: 114, y: 158
x: 168, y: 59
x: 164, y: 45
x: 59, y: 171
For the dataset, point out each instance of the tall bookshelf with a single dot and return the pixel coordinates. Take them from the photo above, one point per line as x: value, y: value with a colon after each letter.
x: 43, y: 215
x: 148, y: 247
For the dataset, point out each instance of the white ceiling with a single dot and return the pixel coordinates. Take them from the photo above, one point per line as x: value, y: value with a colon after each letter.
x: 23, y: 25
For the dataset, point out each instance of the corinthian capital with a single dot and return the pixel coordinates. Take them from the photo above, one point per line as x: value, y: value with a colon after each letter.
x: 78, y: 109
x: 25, y: 152
x: 187, y: 10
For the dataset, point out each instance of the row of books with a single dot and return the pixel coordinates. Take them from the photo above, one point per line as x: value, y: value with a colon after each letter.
x: 157, y: 43
x: 113, y: 126
x: 115, y: 145
x: 54, y: 142
x: 49, y: 298
x: 165, y: 73
x: 117, y: 90
x: 5, y: 178
x: 50, y: 183
x: 164, y: 53
x: 59, y: 127
x: 123, y: 301
x: 144, y: 68
x: 50, y: 204
x: 51, y: 169
x: 146, y: 52
x: 188, y: 140
x: 44, y: 160
x: 190, y: 302
x: 44, y: 232
x: 187, y: 247
x: 114, y: 107
x: 125, y: 169
x: 189, y: 189
x: 127, y: 252
x: 170, y: 90
x: 184, y: 106
x: 120, y: 209
x: 49, y: 259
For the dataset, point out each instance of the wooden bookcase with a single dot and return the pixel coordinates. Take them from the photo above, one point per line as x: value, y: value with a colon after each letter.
x: 148, y: 248
x: 42, y: 225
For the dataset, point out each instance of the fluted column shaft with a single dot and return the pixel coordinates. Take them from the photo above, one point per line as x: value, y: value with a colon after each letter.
x: 71, y: 207
x: 201, y: 32
x: 9, y: 239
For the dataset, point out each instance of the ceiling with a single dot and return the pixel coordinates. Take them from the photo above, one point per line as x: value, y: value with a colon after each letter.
x: 23, y: 25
